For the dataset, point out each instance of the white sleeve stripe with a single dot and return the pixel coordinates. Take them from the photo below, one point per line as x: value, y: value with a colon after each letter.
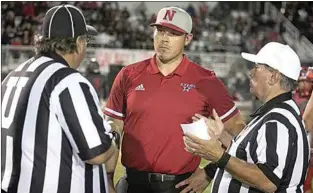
x: 82, y: 112
x: 55, y: 105
x: 88, y: 128
x: 95, y: 182
x: 61, y: 118
x: 113, y: 112
x: 228, y: 112
x: 261, y: 145
x: 281, y: 150
x: 106, y: 125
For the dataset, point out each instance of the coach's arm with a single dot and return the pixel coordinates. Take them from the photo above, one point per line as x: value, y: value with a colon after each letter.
x: 233, y: 127
x: 308, y: 115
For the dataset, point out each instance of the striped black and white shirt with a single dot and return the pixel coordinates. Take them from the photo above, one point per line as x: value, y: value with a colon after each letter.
x: 275, y: 140
x: 51, y: 123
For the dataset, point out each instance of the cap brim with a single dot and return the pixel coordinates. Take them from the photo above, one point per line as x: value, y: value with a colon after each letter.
x: 91, y: 30
x: 168, y: 25
x: 251, y: 57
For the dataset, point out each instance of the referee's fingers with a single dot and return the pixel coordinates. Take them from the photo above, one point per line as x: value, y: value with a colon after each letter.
x: 199, y: 116
x: 189, y: 143
x: 192, y: 138
x: 194, y: 118
x: 212, y: 134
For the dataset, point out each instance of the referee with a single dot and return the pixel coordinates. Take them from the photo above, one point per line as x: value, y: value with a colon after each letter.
x: 272, y: 153
x: 53, y: 135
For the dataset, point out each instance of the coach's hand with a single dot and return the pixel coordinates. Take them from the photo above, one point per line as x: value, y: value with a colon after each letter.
x: 197, y: 182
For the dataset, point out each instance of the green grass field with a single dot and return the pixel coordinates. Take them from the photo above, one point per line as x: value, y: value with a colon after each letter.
x: 119, y: 171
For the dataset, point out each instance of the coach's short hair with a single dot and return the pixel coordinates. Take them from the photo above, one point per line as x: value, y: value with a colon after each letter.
x: 63, y: 45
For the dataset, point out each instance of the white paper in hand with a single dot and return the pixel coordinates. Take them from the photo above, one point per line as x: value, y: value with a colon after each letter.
x: 197, y: 128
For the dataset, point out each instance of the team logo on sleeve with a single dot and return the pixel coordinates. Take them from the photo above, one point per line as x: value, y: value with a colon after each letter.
x: 187, y: 87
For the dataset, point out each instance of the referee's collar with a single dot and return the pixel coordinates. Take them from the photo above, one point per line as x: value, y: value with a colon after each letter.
x: 272, y: 103
x: 56, y: 57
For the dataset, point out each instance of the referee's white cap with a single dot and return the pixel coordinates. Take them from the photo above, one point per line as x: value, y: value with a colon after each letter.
x: 278, y: 56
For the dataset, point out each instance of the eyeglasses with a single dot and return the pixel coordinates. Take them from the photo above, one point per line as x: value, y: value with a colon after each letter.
x: 87, y: 38
x: 264, y: 66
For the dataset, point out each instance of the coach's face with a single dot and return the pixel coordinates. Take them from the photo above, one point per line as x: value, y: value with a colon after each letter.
x: 169, y: 44
x: 259, y: 77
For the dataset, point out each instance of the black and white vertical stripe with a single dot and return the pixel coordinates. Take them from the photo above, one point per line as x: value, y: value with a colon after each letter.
x: 277, y: 143
x: 57, y: 125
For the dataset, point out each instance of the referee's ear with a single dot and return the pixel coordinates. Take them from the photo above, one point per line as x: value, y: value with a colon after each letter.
x: 81, y: 44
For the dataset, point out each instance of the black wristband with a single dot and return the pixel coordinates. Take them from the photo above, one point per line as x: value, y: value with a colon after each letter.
x: 116, y: 138
x: 222, y: 162
x: 210, y: 170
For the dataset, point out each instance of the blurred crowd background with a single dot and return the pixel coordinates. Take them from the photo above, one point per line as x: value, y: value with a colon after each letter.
x: 221, y: 31
x: 228, y: 24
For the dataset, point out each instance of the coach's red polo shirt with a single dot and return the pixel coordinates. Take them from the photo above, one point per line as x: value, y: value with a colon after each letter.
x: 153, y: 106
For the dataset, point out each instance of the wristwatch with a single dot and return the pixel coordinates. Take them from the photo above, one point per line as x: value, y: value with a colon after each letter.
x: 116, y: 138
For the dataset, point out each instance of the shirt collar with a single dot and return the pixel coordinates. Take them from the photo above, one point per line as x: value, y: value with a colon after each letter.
x: 55, y: 57
x: 180, y: 70
x: 272, y: 103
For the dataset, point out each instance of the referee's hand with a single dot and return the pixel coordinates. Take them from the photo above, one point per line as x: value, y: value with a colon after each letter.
x: 215, y: 126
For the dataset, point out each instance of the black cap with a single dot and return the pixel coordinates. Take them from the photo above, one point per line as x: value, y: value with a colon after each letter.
x: 66, y: 21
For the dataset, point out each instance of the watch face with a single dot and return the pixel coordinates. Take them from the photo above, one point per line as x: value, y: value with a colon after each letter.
x: 116, y: 138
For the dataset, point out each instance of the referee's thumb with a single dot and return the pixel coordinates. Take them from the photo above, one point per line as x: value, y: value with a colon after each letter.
x: 215, y: 115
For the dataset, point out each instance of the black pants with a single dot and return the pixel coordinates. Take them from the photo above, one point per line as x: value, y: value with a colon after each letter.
x: 144, y: 182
